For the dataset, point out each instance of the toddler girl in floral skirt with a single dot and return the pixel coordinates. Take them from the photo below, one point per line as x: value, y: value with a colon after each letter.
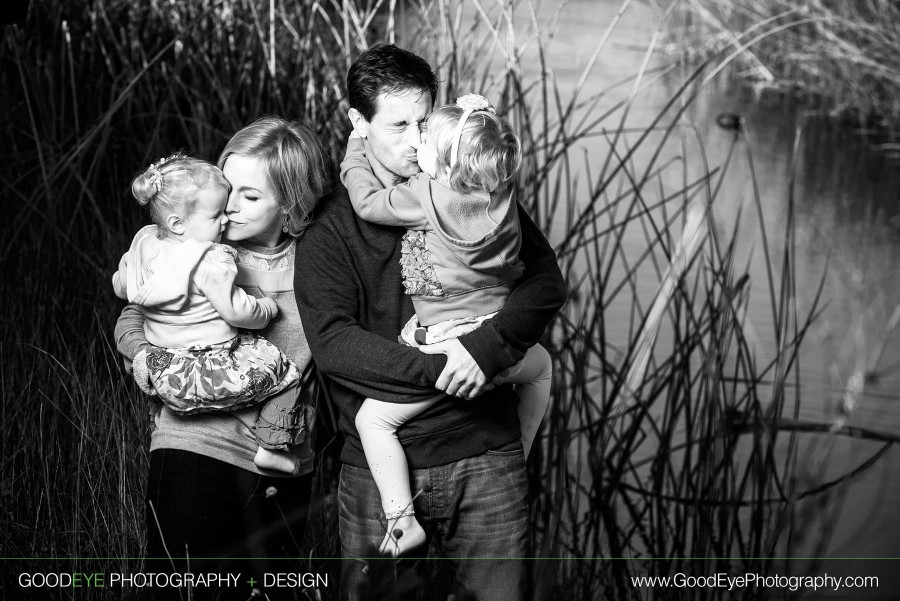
x: 183, y: 282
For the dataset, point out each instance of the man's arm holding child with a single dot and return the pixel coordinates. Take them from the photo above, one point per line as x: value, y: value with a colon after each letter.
x: 502, y: 341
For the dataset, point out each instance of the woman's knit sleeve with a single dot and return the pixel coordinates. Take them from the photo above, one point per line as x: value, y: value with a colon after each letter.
x: 129, y: 333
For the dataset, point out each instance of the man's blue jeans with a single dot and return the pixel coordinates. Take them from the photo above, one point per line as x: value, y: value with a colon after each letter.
x: 475, y: 512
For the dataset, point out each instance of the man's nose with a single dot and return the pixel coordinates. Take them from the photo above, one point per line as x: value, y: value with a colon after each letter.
x: 413, y: 136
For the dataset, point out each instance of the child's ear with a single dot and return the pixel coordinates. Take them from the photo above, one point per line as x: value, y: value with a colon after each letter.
x: 174, y: 224
x: 360, y: 125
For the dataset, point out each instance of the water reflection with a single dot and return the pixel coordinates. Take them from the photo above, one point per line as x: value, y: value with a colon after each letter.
x: 846, y: 227
x: 845, y: 196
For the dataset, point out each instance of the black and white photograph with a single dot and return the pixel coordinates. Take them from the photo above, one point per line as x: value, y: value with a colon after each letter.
x: 450, y: 300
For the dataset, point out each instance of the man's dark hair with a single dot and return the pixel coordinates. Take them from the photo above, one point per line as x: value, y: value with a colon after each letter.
x: 385, y: 68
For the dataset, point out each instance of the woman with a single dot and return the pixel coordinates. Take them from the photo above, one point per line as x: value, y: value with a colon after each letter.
x: 205, y: 496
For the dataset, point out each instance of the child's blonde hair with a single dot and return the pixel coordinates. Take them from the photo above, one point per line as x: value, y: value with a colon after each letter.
x: 173, y: 185
x: 489, y: 155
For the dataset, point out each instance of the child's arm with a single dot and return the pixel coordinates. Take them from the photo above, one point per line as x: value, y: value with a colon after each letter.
x: 119, y: 279
x: 119, y: 286
x: 215, y: 278
x: 373, y: 202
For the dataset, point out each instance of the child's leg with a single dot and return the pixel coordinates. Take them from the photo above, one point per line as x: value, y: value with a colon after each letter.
x: 532, y: 378
x: 277, y: 426
x: 377, y: 424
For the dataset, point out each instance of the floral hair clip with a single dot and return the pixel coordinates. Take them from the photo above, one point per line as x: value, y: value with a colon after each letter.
x: 469, y: 104
x: 156, y: 176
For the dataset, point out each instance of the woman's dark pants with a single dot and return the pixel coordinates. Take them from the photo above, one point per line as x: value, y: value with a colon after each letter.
x: 205, y: 515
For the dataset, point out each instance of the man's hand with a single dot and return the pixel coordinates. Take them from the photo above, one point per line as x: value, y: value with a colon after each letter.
x: 461, y: 376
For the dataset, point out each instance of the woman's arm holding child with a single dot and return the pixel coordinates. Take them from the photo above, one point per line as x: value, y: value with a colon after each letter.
x: 129, y: 332
x: 131, y: 342
x: 373, y: 202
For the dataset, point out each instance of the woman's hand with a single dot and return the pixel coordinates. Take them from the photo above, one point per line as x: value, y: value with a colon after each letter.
x: 140, y: 372
x: 461, y: 376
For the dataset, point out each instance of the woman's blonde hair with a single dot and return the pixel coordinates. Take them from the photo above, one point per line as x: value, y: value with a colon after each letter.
x: 173, y: 185
x: 489, y: 155
x: 294, y: 163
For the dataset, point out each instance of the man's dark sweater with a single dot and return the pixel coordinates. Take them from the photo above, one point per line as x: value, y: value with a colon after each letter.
x: 349, y: 292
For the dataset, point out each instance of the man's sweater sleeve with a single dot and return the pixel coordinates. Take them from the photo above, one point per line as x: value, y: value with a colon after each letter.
x: 329, y: 307
x: 502, y: 341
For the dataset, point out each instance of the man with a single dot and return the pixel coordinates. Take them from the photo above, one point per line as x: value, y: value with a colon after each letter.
x: 465, y: 455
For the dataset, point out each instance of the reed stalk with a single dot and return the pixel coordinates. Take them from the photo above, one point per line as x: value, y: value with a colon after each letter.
x: 844, y: 57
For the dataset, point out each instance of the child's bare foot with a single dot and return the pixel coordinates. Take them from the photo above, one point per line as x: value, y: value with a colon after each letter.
x: 280, y: 461
x: 403, y: 534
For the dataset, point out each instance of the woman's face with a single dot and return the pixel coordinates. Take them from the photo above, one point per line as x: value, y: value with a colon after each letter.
x: 253, y: 213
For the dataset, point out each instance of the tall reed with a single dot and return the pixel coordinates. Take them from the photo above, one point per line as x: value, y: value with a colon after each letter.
x: 691, y: 472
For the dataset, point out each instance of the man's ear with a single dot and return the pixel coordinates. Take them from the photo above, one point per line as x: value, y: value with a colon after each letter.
x: 174, y: 224
x: 360, y: 125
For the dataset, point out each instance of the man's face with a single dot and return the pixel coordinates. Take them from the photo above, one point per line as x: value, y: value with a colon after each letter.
x: 394, y: 133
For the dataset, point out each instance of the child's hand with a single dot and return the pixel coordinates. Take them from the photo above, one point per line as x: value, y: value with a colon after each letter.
x: 270, y: 306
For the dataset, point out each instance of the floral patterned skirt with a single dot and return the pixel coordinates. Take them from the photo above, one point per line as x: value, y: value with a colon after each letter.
x: 226, y: 376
